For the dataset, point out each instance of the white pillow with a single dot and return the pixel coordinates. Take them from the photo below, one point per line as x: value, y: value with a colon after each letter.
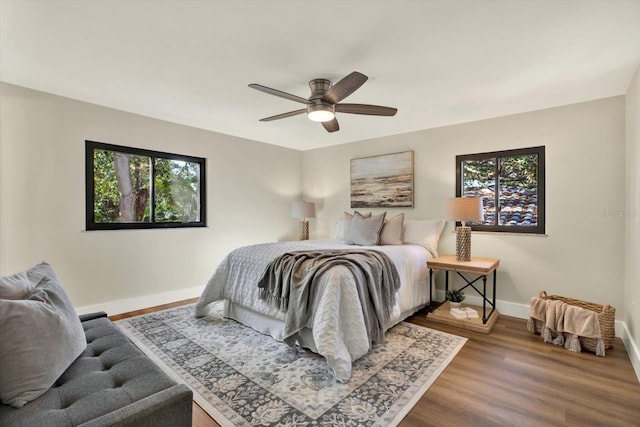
x: 365, y: 231
x: 343, y: 225
x: 391, y: 233
x: 340, y: 229
x: 423, y: 232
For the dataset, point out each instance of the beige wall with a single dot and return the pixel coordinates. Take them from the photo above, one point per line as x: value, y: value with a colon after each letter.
x: 632, y: 213
x: 250, y: 187
x: 582, y: 255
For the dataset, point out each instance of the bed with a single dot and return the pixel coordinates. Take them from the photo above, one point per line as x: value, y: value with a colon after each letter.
x: 337, y: 330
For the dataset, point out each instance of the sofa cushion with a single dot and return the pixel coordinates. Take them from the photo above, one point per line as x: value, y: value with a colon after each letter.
x: 18, y: 285
x: 41, y: 336
x: 111, y: 383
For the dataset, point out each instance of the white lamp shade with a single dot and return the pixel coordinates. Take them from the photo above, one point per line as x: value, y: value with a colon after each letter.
x: 303, y: 210
x: 465, y: 209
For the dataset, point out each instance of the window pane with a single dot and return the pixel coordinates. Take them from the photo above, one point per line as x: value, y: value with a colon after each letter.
x: 177, y: 191
x: 121, y: 187
x: 478, y: 180
x: 519, y: 190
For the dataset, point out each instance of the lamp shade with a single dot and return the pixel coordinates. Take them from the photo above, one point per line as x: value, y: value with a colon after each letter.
x: 465, y: 209
x: 303, y: 210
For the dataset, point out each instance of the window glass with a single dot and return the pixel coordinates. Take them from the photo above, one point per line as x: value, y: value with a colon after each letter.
x: 177, y: 191
x: 519, y: 190
x: 479, y: 178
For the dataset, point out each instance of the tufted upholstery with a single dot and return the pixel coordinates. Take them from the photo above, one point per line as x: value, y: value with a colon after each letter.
x: 111, y: 383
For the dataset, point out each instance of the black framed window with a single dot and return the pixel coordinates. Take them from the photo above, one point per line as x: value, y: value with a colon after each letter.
x: 512, y: 186
x: 132, y: 188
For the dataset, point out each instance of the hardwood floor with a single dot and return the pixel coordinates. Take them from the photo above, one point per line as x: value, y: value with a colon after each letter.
x: 511, y: 378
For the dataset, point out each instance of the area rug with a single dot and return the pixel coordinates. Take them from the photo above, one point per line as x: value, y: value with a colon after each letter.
x: 244, y: 378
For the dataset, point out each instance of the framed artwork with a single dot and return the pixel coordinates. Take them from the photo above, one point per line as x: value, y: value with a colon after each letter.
x: 384, y: 181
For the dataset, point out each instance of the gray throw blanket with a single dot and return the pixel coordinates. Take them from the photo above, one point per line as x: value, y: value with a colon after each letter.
x: 289, y: 283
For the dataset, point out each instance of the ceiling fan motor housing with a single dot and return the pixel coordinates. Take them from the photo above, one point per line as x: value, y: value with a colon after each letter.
x: 319, y: 87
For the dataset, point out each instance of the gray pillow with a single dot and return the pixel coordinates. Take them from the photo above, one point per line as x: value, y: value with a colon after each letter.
x: 391, y: 233
x: 365, y: 231
x: 17, y: 286
x: 344, y: 225
x: 41, y: 336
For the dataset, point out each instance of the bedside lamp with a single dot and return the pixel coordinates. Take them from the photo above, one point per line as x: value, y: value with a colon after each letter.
x: 303, y: 210
x: 464, y: 209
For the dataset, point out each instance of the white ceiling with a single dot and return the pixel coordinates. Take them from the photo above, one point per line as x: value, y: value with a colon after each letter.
x: 438, y: 62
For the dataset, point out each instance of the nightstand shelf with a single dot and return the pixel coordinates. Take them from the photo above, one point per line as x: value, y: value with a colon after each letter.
x: 481, y: 267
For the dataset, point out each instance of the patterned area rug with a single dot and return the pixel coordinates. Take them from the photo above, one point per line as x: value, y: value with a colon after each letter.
x: 244, y: 378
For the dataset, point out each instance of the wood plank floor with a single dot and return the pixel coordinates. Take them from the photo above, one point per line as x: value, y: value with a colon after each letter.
x: 511, y: 378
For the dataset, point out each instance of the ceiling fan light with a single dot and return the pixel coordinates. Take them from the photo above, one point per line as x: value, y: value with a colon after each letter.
x: 320, y: 112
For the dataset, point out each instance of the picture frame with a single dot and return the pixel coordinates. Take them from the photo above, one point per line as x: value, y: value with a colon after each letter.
x: 382, y: 181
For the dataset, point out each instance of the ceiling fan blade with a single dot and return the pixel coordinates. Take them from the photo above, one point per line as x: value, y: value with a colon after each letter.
x: 279, y: 93
x: 344, y: 87
x: 331, y: 125
x: 372, y: 110
x: 284, y: 115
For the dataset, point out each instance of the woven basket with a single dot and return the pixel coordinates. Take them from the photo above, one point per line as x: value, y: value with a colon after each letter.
x: 606, y: 317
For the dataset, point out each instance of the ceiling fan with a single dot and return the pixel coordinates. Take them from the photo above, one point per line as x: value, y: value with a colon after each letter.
x: 324, y: 101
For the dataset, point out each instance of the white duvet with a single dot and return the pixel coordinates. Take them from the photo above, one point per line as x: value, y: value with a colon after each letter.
x: 338, y: 332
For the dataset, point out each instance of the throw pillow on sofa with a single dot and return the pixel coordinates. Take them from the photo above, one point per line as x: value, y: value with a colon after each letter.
x: 41, y: 336
x: 17, y: 285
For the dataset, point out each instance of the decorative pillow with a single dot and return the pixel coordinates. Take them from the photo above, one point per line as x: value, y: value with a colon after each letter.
x: 343, y: 225
x: 340, y: 229
x: 41, y: 336
x: 365, y: 231
x: 425, y: 233
x: 18, y: 285
x: 391, y: 233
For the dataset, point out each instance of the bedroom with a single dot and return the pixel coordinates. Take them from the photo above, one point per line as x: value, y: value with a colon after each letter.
x: 591, y: 221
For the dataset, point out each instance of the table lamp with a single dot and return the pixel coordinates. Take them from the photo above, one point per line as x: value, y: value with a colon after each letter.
x: 464, y: 209
x: 303, y: 210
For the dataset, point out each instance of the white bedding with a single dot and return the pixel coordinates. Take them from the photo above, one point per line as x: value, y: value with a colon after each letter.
x: 338, y: 332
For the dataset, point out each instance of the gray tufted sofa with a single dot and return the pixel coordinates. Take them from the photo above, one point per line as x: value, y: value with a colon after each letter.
x: 112, y: 383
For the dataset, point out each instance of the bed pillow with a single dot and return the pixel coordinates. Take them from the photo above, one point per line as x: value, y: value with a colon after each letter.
x: 343, y: 225
x: 391, y: 233
x: 17, y: 286
x: 365, y: 231
x: 425, y: 233
x: 41, y: 336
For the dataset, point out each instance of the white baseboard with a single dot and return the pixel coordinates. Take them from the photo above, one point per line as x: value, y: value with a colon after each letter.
x: 632, y: 348
x: 137, y: 303
x: 521, y: 311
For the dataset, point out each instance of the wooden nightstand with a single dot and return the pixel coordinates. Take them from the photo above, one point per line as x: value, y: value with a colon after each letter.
x: 481, y: 267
